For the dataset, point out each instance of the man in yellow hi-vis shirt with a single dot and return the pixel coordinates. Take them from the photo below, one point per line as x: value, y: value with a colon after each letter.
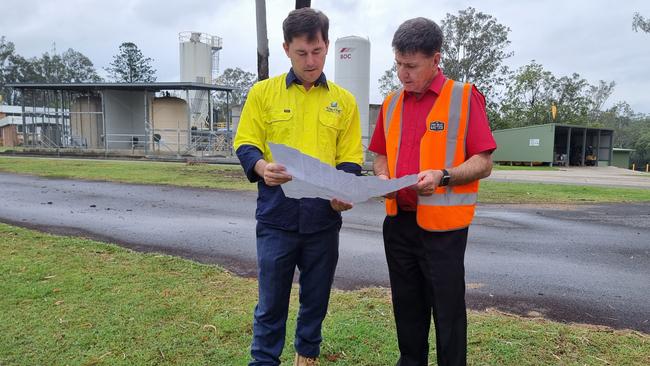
x: 303, y: 110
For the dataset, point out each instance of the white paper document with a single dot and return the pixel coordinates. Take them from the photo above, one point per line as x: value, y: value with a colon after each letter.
x: 315, y: 179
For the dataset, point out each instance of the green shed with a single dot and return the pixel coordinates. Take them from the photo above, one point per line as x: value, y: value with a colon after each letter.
x: 554, y: 144
x: 621, y: 157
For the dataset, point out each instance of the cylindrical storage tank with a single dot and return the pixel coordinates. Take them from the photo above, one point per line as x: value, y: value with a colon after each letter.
x: 169, y: 122
x: 196, y: 57
x: 352, y: 72
x: 197, y: 52
x: 86, y: 123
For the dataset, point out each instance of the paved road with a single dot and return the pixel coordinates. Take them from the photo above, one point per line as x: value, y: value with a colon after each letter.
x: 586, y: 264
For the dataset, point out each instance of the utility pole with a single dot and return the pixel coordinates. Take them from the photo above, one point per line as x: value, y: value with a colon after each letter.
x: 303, y: 4
x: 262, y: 41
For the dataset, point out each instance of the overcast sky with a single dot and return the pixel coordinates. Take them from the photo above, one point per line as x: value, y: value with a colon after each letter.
x: 591, y: 37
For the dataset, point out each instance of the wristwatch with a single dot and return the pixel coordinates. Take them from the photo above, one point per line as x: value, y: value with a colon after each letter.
x: 444, y: 181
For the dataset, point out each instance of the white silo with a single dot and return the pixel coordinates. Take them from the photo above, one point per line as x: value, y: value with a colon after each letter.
x: 352, y: 71
x: 199, y: 61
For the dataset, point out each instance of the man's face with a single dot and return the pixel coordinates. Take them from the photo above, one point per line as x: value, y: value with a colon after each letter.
x: 307, y: 57
x: 416, y: 70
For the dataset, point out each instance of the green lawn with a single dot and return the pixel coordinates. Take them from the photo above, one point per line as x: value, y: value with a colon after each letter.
x: 232, y: 177
x: 10, y: 149
x: 141, y: 172
x: 507, y: 192
x: 71, y: 301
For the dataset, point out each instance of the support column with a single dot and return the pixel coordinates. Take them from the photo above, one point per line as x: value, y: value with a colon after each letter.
x: 189, y: 119
x: 33, y: 118
x: 104, y: 128
x: 210, y: 106
x: 584, y: 142
x: 611, y: 147
x: 597, y: 153
x: 22, y: 104
x: 228, y: 132
x: 146, y: 124
x: 568, y: 147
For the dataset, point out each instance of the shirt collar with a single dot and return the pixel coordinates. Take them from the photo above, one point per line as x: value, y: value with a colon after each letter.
x: 292, y: 78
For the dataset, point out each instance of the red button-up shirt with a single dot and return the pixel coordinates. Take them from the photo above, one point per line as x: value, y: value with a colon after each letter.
x: 479, y: 137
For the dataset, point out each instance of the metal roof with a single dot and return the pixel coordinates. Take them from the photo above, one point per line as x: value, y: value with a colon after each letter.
x: 121, y: 86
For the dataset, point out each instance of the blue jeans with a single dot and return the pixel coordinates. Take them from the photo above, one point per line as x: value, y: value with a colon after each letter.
x: 279, y: 252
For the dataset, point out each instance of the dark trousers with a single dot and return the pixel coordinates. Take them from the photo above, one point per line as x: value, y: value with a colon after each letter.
x: 279, y: 252
x: 427, y: 276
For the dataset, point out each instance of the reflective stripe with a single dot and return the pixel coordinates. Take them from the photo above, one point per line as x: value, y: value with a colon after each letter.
x: 453, y: 122
x: 448, y: 199
x: 391, y: 108
x: 390, y: 111
x: 466, y: 121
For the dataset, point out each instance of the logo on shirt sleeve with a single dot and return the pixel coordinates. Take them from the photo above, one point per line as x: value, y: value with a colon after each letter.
x: 436, y: 126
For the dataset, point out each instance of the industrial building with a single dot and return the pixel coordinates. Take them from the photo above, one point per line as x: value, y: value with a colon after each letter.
x: 555, y: 144
x: 42, y: 126
x: 161, y: 118
x: 126, y: 118
x: 621, y: 157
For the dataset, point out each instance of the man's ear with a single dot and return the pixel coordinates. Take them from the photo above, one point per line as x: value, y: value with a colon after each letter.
x: 436, y: 58
x: 286, y: 48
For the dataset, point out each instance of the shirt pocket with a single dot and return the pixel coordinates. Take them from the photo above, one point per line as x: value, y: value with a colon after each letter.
x: 279, y: 125
x: 328, y: 132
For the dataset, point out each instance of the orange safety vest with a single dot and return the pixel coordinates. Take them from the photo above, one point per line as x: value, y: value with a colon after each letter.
x: 442, y: 146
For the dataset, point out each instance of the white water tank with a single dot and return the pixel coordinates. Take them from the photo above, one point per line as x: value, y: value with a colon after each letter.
x: 352, y: 72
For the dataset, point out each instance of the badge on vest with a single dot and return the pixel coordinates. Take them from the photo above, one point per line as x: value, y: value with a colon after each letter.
x: 437, y: 126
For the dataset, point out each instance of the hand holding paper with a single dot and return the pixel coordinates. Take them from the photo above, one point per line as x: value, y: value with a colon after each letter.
x: 313, y: 178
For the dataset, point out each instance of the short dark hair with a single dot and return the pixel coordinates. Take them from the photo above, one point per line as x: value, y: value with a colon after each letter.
x: 418, y: 35
x: 305, y: 21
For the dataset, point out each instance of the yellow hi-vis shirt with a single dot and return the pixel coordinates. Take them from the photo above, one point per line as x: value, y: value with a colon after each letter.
x: 321, y: 122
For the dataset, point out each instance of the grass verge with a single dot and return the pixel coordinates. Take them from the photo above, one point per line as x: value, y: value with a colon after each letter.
x: 71, y: 301
x: 141, y: 172
x: 232, y: 177
x: 507, y: 192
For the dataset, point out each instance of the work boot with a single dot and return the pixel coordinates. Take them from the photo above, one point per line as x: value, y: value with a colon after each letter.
x: 305, y: 361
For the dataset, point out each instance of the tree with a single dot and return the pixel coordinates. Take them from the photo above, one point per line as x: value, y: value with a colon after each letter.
x: 14, y: 69
x: 474, y: 47
x: 640, y: 23
x: 570, y: 98
x: 78, y: 68
x: 239, y: 79
x: 7, y: 50
x: 642, y: 147
x: 529, y: 96
x: 130, y: 65
x: 389, y: 81
x: 473, y: 50
x: 71, y: 66
x: 598, y: 95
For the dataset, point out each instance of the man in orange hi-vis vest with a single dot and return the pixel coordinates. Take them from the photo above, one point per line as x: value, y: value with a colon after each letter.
x: 435, y: 127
